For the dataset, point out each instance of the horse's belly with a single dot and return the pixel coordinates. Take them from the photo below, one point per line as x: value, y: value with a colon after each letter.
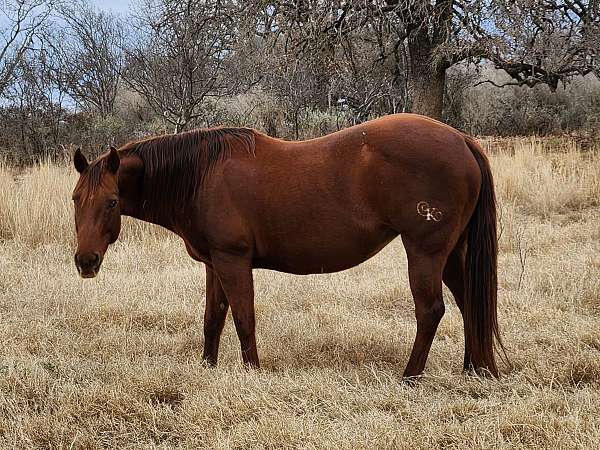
x: 323, y: 255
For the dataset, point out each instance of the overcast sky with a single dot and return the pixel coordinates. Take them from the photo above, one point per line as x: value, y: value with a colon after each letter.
x: 119, y: 6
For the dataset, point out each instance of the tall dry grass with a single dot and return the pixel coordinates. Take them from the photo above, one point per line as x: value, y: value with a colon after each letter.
x: 115, y: 362
x: 36, y: 206
x: 534, y: 176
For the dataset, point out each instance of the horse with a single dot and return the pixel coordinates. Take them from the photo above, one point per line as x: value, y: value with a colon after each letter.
x: 241, y: 199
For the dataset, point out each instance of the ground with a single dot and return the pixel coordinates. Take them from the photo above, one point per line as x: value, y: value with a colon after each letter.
x: 115, y: 362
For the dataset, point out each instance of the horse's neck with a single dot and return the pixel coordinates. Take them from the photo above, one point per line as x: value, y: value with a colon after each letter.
x: 132, y: 198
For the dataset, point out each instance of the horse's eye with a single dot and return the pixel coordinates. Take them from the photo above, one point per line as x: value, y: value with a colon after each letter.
x: 112, y: 204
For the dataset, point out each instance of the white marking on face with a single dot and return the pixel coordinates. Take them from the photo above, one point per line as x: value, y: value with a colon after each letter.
x: 423, y: 209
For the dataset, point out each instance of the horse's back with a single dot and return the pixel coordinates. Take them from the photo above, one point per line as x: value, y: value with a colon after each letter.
x: 383, y: 167
x: 409, y: 143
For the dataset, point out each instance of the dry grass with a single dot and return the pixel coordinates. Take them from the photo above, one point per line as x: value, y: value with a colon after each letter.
x: 115, y: 362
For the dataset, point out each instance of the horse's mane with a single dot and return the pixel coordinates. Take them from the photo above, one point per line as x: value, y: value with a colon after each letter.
x: 176, y: 164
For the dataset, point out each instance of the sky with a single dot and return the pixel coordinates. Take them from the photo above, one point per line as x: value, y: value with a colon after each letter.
x: 118, y: 6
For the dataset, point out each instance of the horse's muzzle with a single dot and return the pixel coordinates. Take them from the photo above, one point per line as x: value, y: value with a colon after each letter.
x: 88, y: 264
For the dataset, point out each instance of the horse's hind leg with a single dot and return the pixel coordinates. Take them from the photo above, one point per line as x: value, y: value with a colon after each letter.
x: 454, y: 278
x: 425, y: 276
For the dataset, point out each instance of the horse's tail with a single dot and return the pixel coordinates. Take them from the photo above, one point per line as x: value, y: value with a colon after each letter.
x: 481, y: 283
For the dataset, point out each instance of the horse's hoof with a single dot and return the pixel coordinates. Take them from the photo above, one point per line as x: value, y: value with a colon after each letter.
x: 412, y: 380
x: 209, y: 362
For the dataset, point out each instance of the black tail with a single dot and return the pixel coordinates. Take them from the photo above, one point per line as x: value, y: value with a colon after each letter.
x: 481, y: 281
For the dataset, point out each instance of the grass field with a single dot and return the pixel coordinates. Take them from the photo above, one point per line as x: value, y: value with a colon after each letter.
x: 115, y: 362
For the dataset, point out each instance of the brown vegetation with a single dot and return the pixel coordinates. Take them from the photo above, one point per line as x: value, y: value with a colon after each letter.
x: 115, y: 362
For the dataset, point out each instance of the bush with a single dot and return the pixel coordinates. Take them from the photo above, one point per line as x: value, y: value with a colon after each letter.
x: 481, y: 108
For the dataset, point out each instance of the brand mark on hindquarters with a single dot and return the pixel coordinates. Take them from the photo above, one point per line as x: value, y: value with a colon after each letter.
x: 423, y: 209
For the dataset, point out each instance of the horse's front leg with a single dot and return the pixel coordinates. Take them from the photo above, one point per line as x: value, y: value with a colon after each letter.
x: 215, y: 313
x: 235, y: 275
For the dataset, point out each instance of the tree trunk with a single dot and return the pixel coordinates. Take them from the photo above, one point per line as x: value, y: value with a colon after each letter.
x: 426, y: 78
x: 426, y: 89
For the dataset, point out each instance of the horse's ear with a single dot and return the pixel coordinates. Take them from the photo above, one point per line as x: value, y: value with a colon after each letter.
x: 79, y: 161
x: 113, y: 160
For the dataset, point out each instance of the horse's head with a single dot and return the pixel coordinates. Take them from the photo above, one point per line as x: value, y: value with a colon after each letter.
x: 97, y: 209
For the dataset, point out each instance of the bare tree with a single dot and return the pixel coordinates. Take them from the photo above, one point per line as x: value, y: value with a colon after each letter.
x: 325, y: 55
x: 371, y: 67
x: 534, y: 41
x: 179, y: 55
x: 544, y: 41
x: 20, y: 20
x: 34, y: 104
x: 88, y: 55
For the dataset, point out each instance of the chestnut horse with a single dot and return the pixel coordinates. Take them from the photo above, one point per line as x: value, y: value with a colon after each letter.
x: 240, y: 200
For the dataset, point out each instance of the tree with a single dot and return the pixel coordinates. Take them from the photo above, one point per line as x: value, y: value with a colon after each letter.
x: 179, y: 55
x: 544, y: 41
x: 20, y: 21
x: 88, y: 55
x: 324, y: 56
x: 34, y: 104
x: 534, y: 41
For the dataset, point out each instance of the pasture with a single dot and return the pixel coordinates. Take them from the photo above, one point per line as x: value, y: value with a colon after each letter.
x: 115, y: 362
